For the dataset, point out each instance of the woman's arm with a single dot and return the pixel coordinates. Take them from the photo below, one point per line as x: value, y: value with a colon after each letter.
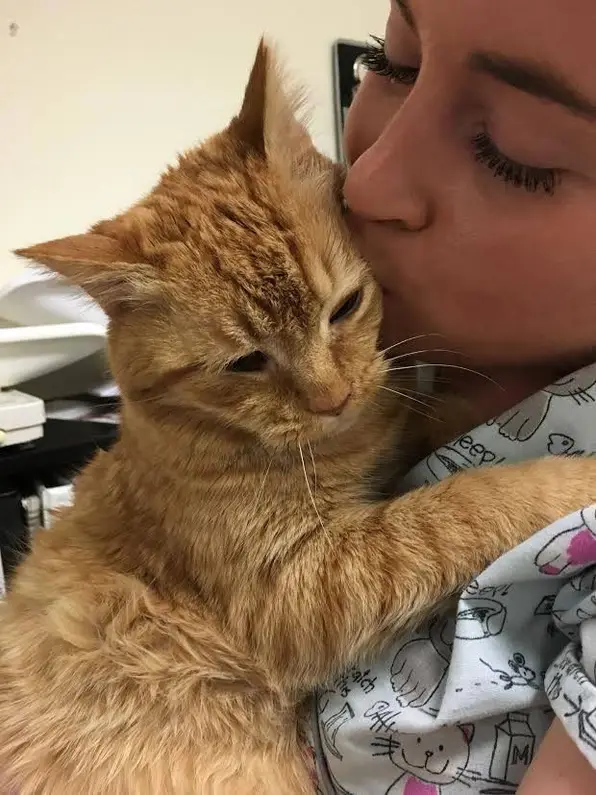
x: 559, y: 768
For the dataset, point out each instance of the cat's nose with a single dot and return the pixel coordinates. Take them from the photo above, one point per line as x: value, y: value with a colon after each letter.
x: 330, y: 403
x: 429, y: 754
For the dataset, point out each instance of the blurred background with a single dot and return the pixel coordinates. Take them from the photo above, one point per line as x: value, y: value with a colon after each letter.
x: 96, y: 97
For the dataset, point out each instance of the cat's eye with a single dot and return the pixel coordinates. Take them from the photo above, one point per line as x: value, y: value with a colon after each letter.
x: 347, y: 307
x: 252, y: 363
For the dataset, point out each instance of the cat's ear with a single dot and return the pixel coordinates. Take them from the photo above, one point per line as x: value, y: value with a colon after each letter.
x: 249, y: 125
x: 270, y: 120
x: 468, y: 730
x: 99, y: 265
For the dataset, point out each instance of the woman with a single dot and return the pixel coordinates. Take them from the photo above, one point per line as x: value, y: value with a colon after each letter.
x: 472, y: 191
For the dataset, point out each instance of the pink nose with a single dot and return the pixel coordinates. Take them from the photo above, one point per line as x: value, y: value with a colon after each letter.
x: 330, y: 404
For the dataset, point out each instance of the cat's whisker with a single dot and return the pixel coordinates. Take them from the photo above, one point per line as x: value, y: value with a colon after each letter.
x: 424, y: 414
x: 311, y: 495
x: 314, y: 468
x: 406, y: 396
x: 465, y: 772
x: 377, y: 405
x: 386, y: 742
x: 426, y: 395
x: 409, y: 339
x: 412, y: 377
x: 421, y: 365
x: 263, y: 482
x: 382, y: 741
x: 409, y: 397
x: 421, y: 353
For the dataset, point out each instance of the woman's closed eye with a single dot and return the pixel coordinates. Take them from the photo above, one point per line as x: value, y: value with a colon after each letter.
x: 531, y: 178
x: 375, y: 59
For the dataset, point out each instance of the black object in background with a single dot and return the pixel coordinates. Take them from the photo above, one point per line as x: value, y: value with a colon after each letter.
x: 348, y: 71
x: 65, y: 448
x: 14, y: 538
x: 65, y: 443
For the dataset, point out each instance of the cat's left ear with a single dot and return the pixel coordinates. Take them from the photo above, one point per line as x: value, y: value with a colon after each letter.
x: 98, y: 264
x: 468, y: 730
x: 270, y: 120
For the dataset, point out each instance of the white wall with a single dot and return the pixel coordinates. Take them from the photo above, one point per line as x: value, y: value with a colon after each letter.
x: 97, y: 95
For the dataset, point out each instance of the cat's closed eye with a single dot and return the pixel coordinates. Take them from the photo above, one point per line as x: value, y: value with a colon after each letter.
x: 347, y: 307
x: 251, y: 363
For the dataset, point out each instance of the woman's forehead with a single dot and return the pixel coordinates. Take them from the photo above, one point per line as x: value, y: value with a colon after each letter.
x: 557, y: 33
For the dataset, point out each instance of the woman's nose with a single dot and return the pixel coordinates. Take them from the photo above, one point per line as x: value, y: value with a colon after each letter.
x: 394, y: 174
x: 378, y: 189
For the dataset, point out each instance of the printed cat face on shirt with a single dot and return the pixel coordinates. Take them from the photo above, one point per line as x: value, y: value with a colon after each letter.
x: 437, y: 758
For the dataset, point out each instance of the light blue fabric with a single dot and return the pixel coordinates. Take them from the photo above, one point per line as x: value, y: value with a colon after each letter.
x: 461, y: 706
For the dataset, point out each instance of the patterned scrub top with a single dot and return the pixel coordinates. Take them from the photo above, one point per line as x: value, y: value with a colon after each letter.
x: 460, y: 706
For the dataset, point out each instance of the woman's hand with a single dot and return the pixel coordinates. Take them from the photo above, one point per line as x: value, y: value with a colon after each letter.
x: 559, y: 768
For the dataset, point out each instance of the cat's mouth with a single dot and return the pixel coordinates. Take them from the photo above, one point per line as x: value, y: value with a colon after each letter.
x: 436, y: 772
x: 343, y: 422
x: 426, y: 766
x: 327, y: 428
x: 362, y: 398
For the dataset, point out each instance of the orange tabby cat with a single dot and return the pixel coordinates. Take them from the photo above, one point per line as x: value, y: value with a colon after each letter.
x: 161, y: 636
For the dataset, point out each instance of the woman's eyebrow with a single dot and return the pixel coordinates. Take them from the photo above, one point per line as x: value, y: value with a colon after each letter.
x: 534, y: 78
x: 406, y: 12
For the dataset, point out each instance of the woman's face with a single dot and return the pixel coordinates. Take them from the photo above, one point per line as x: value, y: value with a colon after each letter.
x: 472, y: 188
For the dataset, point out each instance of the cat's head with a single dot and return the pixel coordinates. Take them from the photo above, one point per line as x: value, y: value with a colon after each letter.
x: 437, y: 758
x: 232, y: 288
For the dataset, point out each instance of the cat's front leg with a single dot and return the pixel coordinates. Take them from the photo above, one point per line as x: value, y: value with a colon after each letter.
x: 383, y: 567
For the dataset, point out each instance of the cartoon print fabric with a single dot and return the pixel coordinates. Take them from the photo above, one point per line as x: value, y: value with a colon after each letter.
x: 461, y: 706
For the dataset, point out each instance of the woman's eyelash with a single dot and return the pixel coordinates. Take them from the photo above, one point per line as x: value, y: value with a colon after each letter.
x: 375, y: 60
x: 529, y: 178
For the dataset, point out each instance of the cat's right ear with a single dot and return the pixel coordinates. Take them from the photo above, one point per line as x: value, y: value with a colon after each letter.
x: 270, y: 122
x: 100, y: 266
x: 249, y: 125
